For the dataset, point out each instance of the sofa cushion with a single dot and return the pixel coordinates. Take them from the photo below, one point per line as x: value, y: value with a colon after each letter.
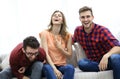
x: 84, y: 75
x: 73, y: 59
x: 5, y: 61
x: 93, y: 75
x: 78, y: 53
x: 105, y: 74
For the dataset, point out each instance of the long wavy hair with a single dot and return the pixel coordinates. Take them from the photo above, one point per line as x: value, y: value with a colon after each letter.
x: 63, y: 31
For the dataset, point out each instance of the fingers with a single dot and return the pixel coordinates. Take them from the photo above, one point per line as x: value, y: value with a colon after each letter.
x: 102, y: 67
x: 59, y: 75
x: 21, y: 70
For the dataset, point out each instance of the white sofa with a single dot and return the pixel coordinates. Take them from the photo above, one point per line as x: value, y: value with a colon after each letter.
x: 78, y: 53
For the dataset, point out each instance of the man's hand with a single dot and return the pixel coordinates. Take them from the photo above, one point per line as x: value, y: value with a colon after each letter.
x: 104, y: 62
x: 25, y: 77
x: 21, y: 70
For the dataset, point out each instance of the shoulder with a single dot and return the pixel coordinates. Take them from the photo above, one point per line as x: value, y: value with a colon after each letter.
x: 18, y: 47
x: 78, y: 28
x: 16, y: 52
x: 43, y: 33
x: 69, y: 34
x: 42, y: 51
x: 101, y: 27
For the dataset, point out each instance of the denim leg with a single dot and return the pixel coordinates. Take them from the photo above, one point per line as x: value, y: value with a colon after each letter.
x: 6, y: 73
x: 49, y: 72
x: 88, y: 65
x: 115, y: 64
x: 67, y: 71
x: 36, y: 70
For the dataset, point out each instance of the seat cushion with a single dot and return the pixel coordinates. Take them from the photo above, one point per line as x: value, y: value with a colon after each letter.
x: 105, y: 74
x: 5, y: 62
x: 93, y: 75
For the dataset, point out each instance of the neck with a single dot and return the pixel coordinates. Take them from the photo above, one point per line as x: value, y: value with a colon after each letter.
x: 56, y: 29
x: 88, y: 30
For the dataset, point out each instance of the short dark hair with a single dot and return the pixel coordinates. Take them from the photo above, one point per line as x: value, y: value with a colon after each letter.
x: 85, y: 8
x: 31, y: 41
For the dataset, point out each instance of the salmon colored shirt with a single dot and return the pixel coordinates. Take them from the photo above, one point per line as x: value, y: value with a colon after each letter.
x: 56, y: 55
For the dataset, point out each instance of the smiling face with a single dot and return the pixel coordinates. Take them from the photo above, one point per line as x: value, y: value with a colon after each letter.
x: 57, y: 18
x: 86, y: 19
x: 31, y: 53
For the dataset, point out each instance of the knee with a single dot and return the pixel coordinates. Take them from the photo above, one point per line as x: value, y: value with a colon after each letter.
x: 82, y: 63
x: 70, y: 68
x: 6, y: 73
x: 47, y: 67
x: 115, y: 58
x: 38, y: 65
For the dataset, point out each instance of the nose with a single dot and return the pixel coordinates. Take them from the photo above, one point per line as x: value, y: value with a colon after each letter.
x: 33, y: 57
x: 85, y: 19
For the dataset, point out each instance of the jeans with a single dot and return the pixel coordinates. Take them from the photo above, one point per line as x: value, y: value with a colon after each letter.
x: 34, y: 72
x: 67, y: 71
x: 91, y: 66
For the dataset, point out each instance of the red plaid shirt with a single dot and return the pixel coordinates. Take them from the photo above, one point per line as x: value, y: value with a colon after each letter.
x: 98, y: 42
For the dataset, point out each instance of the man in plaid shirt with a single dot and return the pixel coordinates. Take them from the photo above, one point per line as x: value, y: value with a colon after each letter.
x: 101, y: 47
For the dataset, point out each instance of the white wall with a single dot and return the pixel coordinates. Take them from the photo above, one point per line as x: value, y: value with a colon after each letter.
x: 21, y: 18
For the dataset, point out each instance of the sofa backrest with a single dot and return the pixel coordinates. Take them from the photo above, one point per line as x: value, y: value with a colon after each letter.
x: 78, y: 53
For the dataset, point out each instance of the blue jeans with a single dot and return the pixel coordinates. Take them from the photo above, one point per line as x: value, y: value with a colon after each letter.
x: 34, y: 72
x: 91, y: 66
x: 67, y: 71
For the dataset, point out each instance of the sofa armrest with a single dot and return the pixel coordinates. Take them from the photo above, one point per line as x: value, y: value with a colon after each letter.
x: 4, y: 61
x: 80, y: 53
x: 73, y: 59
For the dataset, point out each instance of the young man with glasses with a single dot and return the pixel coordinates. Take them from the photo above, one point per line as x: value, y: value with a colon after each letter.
x: 25, y: 60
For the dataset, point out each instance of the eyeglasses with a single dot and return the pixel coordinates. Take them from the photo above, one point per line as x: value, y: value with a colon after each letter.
x: 32, y: 54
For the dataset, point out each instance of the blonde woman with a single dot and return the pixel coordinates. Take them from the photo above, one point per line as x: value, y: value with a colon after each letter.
x: 57, y: 44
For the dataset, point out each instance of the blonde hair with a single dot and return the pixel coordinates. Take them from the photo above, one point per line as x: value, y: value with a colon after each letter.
x: 63, y: 31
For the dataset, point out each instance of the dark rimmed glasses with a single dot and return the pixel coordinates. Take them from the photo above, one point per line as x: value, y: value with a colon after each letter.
x: 32, y: 54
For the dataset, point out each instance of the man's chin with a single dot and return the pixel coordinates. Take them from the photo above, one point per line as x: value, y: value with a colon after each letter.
x: 31, y: 60
x: 87, y: 26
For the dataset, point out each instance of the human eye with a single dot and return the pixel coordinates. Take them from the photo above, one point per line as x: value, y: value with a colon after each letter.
x: 59, y: 15
x: 29, y: 53
x: 88, y: 16
x: 82, y: 17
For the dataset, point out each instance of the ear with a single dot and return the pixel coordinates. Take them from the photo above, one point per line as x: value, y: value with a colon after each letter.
x: 79, y: 18
x: 93, y: 17
x: 23, y: 50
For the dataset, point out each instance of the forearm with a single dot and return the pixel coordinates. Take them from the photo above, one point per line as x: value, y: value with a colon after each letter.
x: 68, y: 50
x: 50, y: 62
x: 65, y: 51
x: 114, y: 50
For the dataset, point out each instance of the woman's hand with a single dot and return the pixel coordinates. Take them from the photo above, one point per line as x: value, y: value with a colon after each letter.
x: 58, y: 74
x: 57, y: 42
